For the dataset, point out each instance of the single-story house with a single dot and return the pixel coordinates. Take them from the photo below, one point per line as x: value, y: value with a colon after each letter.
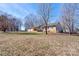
x: 31, y: 30
x: 50, y: 28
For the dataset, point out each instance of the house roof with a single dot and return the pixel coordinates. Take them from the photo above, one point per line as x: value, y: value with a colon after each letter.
x: 42, y: 26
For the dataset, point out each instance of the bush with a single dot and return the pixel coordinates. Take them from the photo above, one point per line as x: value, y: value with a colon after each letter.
x: 61, y: 31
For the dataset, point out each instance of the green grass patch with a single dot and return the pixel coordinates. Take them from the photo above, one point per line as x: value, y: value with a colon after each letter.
x: 26, y: 33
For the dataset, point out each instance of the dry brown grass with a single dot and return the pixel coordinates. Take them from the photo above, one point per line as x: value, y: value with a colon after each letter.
x: 38, y: 45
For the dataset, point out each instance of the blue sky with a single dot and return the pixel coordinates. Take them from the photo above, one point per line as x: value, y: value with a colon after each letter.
x: 20, y: 10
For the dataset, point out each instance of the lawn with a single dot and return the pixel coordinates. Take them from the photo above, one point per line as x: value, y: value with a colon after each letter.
x: 13, y: 44
x: 25, y: 33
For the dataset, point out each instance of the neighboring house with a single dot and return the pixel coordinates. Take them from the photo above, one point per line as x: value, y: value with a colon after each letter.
x: 35, y: 29
x: 31, y: 30
x: 54, y: 28
x: 51, y: 28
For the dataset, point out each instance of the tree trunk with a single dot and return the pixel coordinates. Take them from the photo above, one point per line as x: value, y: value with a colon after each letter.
x: 72, y: 28
x: 4, y: 29
x: 46, y: 29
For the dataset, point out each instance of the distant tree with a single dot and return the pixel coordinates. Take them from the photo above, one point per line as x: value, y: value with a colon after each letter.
x: 45, y: 12
x: 16, y: 24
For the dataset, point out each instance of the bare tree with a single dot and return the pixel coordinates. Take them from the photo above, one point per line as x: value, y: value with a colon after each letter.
x: 16, y: 24
x: 68, y: 17
x: 4, y: 23
x: 9, y: 23
x: 32, y: 21
x: 45, y: 12
x: 29, y: 21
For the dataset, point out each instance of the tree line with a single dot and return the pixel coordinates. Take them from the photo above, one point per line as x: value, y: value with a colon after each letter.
x: 9, y: 23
